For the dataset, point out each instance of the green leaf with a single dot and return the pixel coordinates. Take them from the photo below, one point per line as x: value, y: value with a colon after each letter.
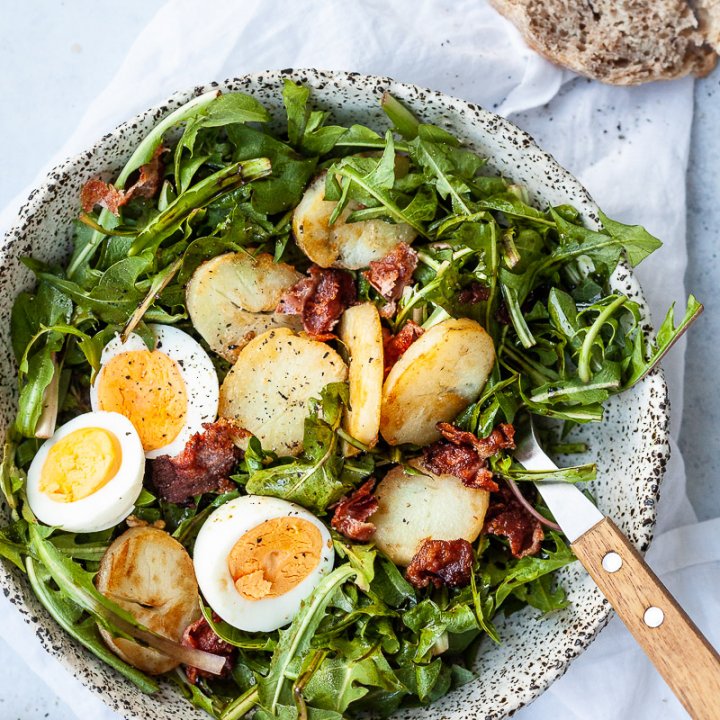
x: 430, y: 623
x: 389, y: 584
x: 636, y: 240
x: 564, y: 316
x: 12, y: 551
x: 211, y: 705
x: 339, y: 682
x: 88, y: 546
x: 577, y: 392
x: 31, y: 312
x: 295, y: 641
x: 295, y: 98
x: 604, y: 250
x: 38, y: 376
x: 224, y: 110
x: 185, y: 173
x: 528, y: 569
x: 422, y: 679
x: 238, y: 638
x: 11, y: 477
x: 358, y: 173
x: 438, y: 162
x: 361, y: 558
x: 360, y: 136
x: 643, y: 361
x: 542, y: 594
x: 575, y: 474
x: 509, y: 204
x: 484, y: 604
x: 383, y: 174
x: 282, y: 190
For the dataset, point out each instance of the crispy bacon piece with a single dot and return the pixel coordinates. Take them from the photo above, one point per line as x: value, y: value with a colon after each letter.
x: 320, y: 300
x: 473, y: 294
x: 463, y: 455
x: 507, y: 517
x: 445, y: 458
x: 201, y: 636
x: 151, y: 175
x: 391, y: 274
x: 97, y: 192
x: 441, y: 562
x: 203, y: 466
x: 501, y: 438
x: 352, y: 512
x: 395, y: 346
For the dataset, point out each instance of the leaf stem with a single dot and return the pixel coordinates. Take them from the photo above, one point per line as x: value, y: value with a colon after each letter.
x: 161, y: 281
x: 403, y: 120
x: 242, y: 705
x: 584, y: 371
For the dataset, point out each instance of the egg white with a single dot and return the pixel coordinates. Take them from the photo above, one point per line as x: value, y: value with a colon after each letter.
x: 217, y: 538
x: 109, y: 505
x: 196, y: 370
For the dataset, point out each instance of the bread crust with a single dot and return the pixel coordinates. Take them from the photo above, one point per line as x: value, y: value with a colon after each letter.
x: 624, y: 42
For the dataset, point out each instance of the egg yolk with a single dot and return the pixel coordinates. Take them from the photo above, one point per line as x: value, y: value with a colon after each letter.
x: 147, y: 388
x: 274, y: 557
x: 80, y: 464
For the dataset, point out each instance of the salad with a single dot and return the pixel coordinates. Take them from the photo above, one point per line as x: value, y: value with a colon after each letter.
x: 263, y: 447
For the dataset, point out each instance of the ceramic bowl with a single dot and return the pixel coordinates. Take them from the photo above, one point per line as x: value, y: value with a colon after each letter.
x: 631, y: 445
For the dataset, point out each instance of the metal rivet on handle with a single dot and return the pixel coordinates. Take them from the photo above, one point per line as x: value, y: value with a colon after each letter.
x: 612, y: 562
x: 654, y: 617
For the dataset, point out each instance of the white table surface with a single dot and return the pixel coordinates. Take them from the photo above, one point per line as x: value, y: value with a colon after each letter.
x: 56, y: 56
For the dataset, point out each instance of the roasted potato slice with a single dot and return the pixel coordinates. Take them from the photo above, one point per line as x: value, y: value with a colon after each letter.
x: 267, y: 390
x: 361, y: 333
x: 344, y: 245
x: 149, y: 574
x: 440, y: 374
x: 414, y: 508
x: 232, y: 298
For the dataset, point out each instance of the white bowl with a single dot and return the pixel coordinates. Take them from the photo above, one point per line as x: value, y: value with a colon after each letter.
x: 630, y: 446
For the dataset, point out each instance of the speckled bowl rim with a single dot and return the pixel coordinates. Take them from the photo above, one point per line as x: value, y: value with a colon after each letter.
x: 645, y: 520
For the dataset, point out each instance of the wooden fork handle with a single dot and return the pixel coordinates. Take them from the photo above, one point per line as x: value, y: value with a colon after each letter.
x: 680, y: 652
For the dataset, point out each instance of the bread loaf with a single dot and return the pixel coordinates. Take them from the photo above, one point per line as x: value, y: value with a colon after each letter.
x: 622, y: 42
x: 708, y: 15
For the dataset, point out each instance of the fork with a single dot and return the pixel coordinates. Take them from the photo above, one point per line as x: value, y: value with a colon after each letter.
x: 677, y: 648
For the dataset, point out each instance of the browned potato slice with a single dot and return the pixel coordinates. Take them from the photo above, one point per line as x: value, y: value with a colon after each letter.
x: 267, y: 390
x: 440, y: 374
x: 149, y: 574
x: 414, y: 508
x: 344, y: 245
x: 361, y: 333
x: 232, y: 298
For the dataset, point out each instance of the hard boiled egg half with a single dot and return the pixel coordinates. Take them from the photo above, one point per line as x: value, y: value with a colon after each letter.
x: 88, y: 475
x: 257, y: 558
x: 166, y: 393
